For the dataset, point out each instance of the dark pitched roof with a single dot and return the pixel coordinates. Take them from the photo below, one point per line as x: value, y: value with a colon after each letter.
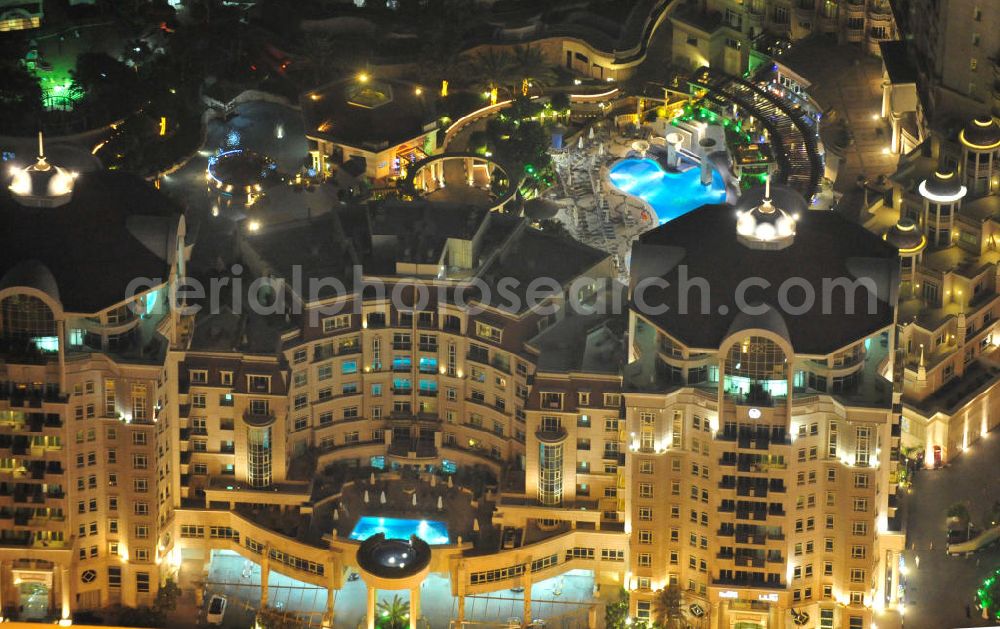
x: 115, y: 228
x: 897, y: 62
x: 331, y: 112
x: 704, y: 243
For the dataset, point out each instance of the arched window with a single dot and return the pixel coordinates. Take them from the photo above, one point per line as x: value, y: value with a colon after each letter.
x: 24, y: 316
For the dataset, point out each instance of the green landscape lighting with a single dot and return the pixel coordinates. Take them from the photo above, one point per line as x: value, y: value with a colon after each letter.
x: 987, y: 593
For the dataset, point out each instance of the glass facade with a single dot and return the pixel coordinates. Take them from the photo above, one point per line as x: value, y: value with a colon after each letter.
x: 24, y: 316
x: 259, y: 457
x: 550, y: 474
x: 756, y: 371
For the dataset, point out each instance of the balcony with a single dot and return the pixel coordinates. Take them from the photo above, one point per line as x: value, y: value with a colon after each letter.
x: 749, y: 562
x: 481, y: 357
x: 551, y: 435
x: 413, y: 448
x: 746, y: 538
x: 258, y: 418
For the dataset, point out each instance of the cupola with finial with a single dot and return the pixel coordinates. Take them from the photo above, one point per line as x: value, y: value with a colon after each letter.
x: 42, y: 184
x: 766, y: 226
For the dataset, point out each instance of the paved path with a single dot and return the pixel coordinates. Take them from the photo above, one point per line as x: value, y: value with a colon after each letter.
x: 938, y: 590
x: 848, y: 85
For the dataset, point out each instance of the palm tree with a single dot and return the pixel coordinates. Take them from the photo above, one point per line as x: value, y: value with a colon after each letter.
x: 959, y: 511
x: 667, y: 610
x: 493, y: 69
x: 393, y: 614
x: 530, y: 64
x: 442, y: 60
x: 317, y: 50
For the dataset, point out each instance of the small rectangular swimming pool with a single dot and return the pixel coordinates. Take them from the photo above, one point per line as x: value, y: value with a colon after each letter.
x: 431, y: 531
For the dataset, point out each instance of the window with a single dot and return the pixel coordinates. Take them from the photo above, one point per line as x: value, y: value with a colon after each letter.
x: 140, y: 485
x: 860, y: 505
x: 645, y: 537
x: 488, y: 332
x: 141, y: 581
x: 139, y: 401
x: 140, y: 508
x: 862, y: 445
x: 110, y: 401
x: 861, y: 481
x: 139, y: 461
x: 338, y: 322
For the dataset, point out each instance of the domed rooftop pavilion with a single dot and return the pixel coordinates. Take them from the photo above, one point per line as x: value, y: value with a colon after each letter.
x: 944, y: 186
x: 981, y: 133
x: 906, y: 236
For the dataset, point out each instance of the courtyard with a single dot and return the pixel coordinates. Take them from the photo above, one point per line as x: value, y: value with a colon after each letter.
x: 561, y: 601
x: 939, y: 587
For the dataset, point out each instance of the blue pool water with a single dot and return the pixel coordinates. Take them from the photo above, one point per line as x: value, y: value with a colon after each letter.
x: 431, y: 531
x: 670, y: 194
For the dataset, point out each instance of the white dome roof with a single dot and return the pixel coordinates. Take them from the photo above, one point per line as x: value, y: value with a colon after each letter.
x: 766, y: 226
x: 42, y: 184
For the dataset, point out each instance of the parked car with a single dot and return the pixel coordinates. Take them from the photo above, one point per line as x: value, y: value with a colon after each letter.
x: 216, y: 610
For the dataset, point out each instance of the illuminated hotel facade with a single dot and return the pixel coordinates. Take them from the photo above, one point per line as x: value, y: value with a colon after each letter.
x: 762, y: 447
x: 749, y: 461
x: 81, y: 386
x: 941, y: 214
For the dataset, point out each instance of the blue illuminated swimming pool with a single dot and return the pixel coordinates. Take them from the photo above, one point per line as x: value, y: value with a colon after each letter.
x: 671, y: 194
x: 431, y: 531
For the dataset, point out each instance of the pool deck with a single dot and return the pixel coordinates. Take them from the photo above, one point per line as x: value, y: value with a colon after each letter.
x: 584, y: 193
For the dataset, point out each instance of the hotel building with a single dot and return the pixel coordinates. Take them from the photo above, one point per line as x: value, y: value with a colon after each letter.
x: 82, y: 489
x: 953, y: 45
x: 941, y: 212
x: 723, y: 34
x: 747, y: 458
x: 763, y: 443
